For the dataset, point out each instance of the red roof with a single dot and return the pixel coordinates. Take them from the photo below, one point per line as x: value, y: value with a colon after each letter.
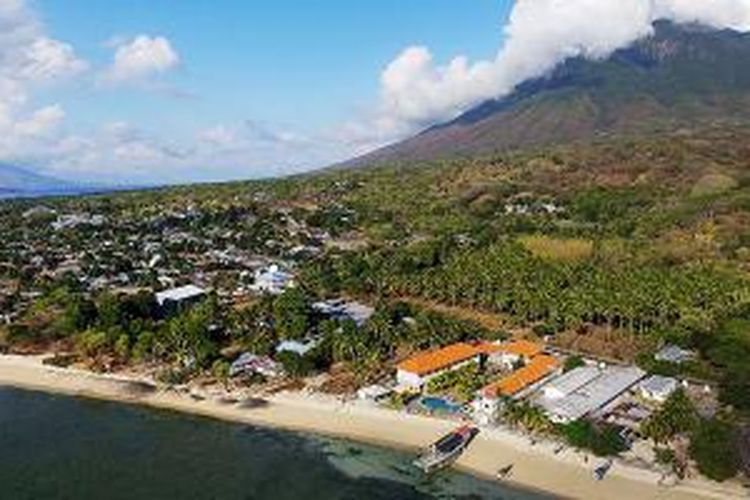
x: 433, y: 361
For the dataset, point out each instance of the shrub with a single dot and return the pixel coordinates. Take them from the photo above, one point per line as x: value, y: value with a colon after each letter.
x: 714, y: 448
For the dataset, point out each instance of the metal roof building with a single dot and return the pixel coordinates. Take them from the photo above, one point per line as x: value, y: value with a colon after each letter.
x: 598, y: 392
x: 178, y: 295
x: 569, y: 382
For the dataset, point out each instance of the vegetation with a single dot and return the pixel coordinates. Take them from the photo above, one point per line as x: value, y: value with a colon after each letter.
x: 677, y: 416
x: 714, y: 447
x: 601, y: 440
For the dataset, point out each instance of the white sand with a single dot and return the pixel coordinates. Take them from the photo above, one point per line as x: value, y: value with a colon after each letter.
x: 535, y: 467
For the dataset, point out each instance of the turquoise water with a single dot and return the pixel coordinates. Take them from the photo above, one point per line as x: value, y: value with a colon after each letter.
x: 55, y: 447
x: 439, y: 405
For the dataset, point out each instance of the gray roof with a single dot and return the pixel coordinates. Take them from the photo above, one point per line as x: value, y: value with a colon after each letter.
x: 179, y: 294
x: 674, y: 354
x: 657, y: 384
x: 610, y: 383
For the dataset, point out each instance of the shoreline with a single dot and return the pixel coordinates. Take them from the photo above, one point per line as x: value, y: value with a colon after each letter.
x: 536, y: 468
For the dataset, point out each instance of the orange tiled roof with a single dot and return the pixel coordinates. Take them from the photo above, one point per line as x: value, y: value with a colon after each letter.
x: 430, y: 362
x: 524, y: 348
x: 537, y: 369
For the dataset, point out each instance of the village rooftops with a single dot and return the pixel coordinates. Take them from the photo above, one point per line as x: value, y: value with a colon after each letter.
x: 536, y: 370
x: 180, y: 294
x: 435, y: 361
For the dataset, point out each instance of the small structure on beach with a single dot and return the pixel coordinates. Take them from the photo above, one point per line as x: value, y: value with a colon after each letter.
x: 416, y: 371
x: 248, y: 364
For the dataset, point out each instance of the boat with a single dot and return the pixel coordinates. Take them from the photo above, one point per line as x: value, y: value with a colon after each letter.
x: 446, y: 450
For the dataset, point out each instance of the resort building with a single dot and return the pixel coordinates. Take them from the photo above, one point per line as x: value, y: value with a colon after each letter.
x: 272, y: 280
x: 415, y: 372
x: 512, y: 386
x: 176, y: 299
x: 509, y: 354
x: 569, y: 403
x: 658, y: 388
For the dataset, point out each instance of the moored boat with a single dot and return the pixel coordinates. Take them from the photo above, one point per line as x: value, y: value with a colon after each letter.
x: 446, y: 450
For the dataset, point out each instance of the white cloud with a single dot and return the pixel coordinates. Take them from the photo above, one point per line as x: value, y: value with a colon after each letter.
x: 416, y: 91
x: 29, y: 58
x: 42, y: 122
x: 141, y: 58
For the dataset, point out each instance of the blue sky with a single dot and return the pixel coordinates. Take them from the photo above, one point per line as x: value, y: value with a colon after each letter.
x: 290, y: 68
x: 153, y: 91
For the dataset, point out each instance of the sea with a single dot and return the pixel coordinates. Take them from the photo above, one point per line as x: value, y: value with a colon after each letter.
x: 60, y: 447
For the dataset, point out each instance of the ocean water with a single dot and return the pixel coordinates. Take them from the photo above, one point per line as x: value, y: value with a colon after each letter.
x: 58, y: 447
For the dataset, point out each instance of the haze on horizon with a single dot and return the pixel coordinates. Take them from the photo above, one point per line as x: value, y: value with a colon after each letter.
x: 152, y: 91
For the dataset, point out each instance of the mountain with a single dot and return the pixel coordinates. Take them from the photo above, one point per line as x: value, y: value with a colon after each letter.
x: 16, y: 182
x: 681, y: 76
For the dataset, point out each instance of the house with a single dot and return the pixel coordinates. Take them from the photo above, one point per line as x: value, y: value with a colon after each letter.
x: 248, y: 364
x: 272, y: 280
x: 658, y: 388
x: 594, y: 394
x: 415, y: 372
x: 509, y: 354
x: 175, y: 299
x: 297, y: 347
x: 491, y: 396
x: 674, y: 354
x: 341, y: 309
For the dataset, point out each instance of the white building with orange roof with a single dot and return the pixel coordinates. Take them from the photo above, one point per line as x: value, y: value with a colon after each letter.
x: 416, y: 371
x: 508, y: 354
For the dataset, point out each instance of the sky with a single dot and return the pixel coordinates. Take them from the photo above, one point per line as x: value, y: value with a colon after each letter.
x: 175, y: 91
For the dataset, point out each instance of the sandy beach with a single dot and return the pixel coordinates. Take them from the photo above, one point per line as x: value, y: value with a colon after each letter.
x: 536, y: 467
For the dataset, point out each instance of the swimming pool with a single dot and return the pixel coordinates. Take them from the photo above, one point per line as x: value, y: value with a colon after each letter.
x: 439, y: 405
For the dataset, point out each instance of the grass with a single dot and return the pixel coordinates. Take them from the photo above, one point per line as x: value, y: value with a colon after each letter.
x: 558, y: 249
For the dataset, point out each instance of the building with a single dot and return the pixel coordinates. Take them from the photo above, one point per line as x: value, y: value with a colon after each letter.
x: 515, y: 384
x: 415, y: 372
x: 568, y: 405
x: 340, y: 309
x: 658, y: 388
x: 535, y: 371
x: 175, y: 299
x: 568, y: 383
x: 297, y: 347
x: 272, y: 280
x: 674, y: 354
x: 248, y: 363
x: 509, y: 354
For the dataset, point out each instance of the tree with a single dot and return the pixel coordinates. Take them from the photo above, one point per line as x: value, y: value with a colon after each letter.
x: 572, y: 363
x: 602, y: 441
x: 294, y: 364
x: 677, y: 416
x: 714, y: 448
x: 122, y: 346
x: 291, y: 314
